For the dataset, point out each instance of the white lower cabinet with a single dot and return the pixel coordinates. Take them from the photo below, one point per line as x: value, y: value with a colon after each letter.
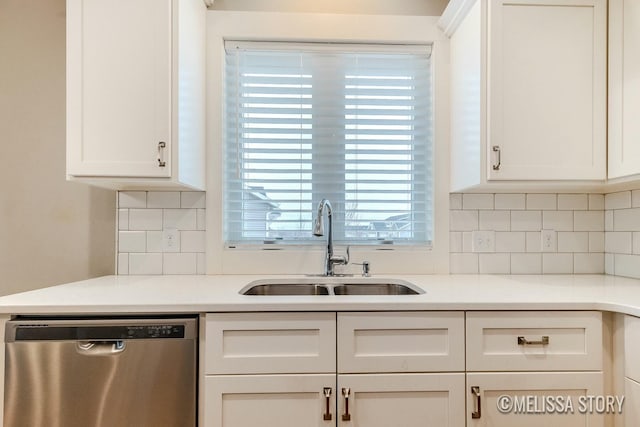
x: 407, y: 400
x: 631, y: 408
x: 533, y: 399
x: 366, y: 400
x: 404, y: 369
x: 268, y: 400
x: 279, y: 369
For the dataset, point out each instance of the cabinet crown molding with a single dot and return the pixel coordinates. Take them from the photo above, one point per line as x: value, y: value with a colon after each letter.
x: 453, y: 15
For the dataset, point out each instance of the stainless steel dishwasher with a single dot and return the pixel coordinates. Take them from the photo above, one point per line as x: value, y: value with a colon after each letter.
x: 100, y: 373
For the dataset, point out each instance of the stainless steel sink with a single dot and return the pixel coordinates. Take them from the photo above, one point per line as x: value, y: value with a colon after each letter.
x: 286, y: 289
x: 376, y: 289
x: 330, y: 286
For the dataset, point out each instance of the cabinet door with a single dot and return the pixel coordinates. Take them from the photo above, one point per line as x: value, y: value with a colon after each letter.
x: 269, y: 400
x: 624, y: 88
x: 631, y: 409
x: 547, y: 90
x: 530, y: 389
x: 119, y: 87
x: 407, y: 400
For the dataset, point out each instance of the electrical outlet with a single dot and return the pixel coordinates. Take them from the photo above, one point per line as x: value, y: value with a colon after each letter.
x: 483, y: 241
x: 170, y: 240
x: 549, y: 241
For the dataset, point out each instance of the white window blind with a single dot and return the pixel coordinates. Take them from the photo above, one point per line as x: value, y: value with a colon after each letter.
x: 350, y: 123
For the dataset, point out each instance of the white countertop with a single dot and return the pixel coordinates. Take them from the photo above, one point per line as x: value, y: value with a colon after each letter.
x: 197, y: 294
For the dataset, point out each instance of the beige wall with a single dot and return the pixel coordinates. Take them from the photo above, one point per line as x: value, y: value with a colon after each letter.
x: 51, y: 231
x: 365, y: 7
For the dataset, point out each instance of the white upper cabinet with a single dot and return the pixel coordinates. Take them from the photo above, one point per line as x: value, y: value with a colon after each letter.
x: 135, y: 92
x: 528, y: 87
x: 624, y: 88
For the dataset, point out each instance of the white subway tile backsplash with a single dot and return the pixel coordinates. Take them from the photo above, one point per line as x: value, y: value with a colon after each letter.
x: 192, y: 199
x: 455, y: 201
x: 145, y: 219
x: 573, y: 241
x: 201, y: 266
x: 192, y: 241
x: 588, y: 220
x: 495, y: 220
x: 608, y: 220
x: 526, y: 220
x: 510, y: 241
x: 123, y: 219
x: 626, y: 219
x: 510, y: 202
x: 635, y: 243
x: 618, y: 242
x: 627, y: 265
x: 588, y: 263
x: 455, y: 241
x: 201, y: 220
x: 181, y: 219
x: 467, y: 241
x: 123, y: 264
x: 477, y: 201
x: 557, y: 263
x: 609, y: 263
x: 132, y: 199
x: 465, y: 263
x: 463, y: 220
x: 534, y: 241
x: 542, y: 202
x: 516, y: 221
x: 620, y: 200
x: 145, y: 263
x: 635, y: 199
x: 557, y: 220
x: 154, y: 242
x: 526, y: 263
x: 573, y: 202
x: 163, y: 199
x: 494, y: 263
x: 180, y: 263
x: 596, y: 202
x: 132, y: 241
x: 596, y: 241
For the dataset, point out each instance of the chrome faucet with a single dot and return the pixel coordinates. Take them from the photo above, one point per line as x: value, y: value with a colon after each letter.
x: 318, y: 230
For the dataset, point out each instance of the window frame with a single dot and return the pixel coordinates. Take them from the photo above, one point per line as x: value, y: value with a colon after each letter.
x: 305, y: 259
x: 347, y: 55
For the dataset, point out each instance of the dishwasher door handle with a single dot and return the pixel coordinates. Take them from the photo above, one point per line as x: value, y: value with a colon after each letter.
x: 100, y: 348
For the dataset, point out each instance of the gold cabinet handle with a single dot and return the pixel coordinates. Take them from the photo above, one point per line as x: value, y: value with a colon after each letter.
x: 477, y: 413
x: 346, y: 392
x: 327, y: 396
x: 543, y: 341
x: 161, y: 147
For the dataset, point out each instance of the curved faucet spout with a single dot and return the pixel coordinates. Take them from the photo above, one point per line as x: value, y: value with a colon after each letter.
x: 318, y: 230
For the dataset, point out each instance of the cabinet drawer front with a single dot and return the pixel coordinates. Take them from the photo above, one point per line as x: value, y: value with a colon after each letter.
x: 632, y: 347
x: 515, y: 341
x: 400, y: 342
x: 251, y: 343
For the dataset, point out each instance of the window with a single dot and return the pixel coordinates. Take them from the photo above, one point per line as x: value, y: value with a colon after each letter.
x: 350, y: 123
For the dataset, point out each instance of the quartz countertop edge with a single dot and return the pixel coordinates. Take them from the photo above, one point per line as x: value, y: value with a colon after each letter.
x: 120, y: 295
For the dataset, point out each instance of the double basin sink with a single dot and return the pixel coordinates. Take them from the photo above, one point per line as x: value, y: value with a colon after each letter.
x: 330, y: 286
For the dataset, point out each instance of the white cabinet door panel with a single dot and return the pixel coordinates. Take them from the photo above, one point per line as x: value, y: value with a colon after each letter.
x: 406, y: 400
x: 119, y: 87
